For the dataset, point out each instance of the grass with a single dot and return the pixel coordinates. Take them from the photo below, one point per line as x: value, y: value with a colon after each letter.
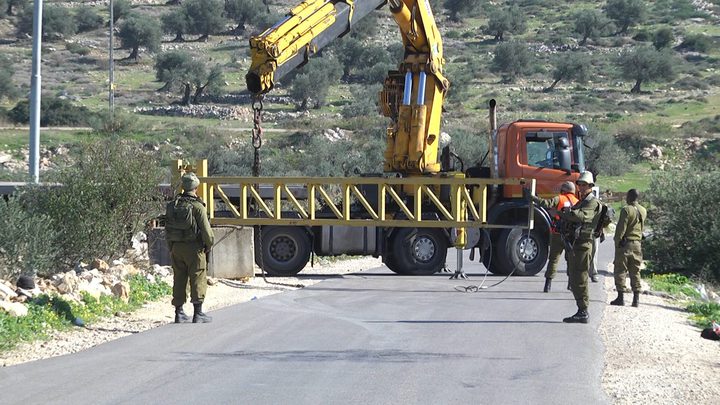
x: 703, y: 313
x: 638, y: 177
x: 50, y: 313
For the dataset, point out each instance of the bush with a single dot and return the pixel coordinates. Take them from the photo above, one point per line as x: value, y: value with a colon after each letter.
x: 87, y: 19
x: 605, y: 157
x: 53, y: 112
x: 105, y: 198
x: 27, y: 243
x: 7, y: 86
x: 512, y: 59
x: 686, y: 237
x: 697, y: 43
x: 57, y: 22
x: 77, y: 49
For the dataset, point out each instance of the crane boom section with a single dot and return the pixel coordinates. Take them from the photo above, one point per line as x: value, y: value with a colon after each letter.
x: 305, y: 30
x: 412, y: 96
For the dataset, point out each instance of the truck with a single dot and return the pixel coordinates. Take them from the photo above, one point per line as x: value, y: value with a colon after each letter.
x: 419, y: 205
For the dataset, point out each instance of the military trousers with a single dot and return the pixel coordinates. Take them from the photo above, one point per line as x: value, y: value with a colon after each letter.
x: 557, y: 247
x: 628, y: 260
x: 578, y: 269
x: 189, y: 263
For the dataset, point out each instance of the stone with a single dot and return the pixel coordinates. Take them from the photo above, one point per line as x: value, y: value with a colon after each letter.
x: 121, y: 290
x: 95, y: 288
x: 16, y: 309
x: 100, y: 265
x: 67, y: 283
x: 6, y: 292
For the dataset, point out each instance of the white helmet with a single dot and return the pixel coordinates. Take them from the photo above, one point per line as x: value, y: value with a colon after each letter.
x: 586, y: 177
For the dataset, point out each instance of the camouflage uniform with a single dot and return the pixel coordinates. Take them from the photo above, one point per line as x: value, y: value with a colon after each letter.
x: 628, y: 257
x: 557, y: 246
x: 585, y: 215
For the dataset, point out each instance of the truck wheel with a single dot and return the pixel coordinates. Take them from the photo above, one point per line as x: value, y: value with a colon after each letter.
x: 418, y: 251
x: 285, y: 250
x: 526, y: 253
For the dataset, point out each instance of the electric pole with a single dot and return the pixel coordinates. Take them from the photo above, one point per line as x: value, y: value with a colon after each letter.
x: 35, y: 94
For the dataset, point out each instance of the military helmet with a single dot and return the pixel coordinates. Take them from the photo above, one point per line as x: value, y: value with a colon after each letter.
x: 586, y: 177
x: 190, y: 181
x: 567, y: 187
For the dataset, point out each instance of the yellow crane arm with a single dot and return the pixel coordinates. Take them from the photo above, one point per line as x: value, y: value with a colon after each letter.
x: 412, y: 96
x: 305, y: 30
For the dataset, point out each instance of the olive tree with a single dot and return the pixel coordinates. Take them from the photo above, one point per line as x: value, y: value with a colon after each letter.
x: 176, y: 23
x: 177, y: 69
x: 626, y: 13
x: 243, y: 12
x: 590, y: 24
x: 509, y: 20
x: 205, y: 17
x: 314, y: 82
x: 57, y: 22
x: 663, y: 38
x: 570, y: 66
x: 646, y: 64
x: 512, y: 59
x: 459, y: 9
x: 139, y: 31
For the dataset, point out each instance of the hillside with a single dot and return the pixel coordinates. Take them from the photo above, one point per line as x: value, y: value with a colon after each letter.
x: 664, y: 113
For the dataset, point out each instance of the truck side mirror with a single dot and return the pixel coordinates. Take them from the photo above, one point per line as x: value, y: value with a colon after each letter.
x: 564, y: 159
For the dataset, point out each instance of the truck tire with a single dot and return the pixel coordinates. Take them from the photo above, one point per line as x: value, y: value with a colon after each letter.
x: 524, y: 252
x: 418, y: 251
x: 285, y: 250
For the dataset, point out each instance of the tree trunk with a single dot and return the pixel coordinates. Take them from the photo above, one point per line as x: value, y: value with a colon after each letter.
x: 199, y: 92
x: 179, y: 37
x: 499, y: 36
x: 9, y: 10
x: 165, y: 87
x: 636, y: 87
x: 552, y: 86
x: 304, y: 104
x: 186, y: 96
x: 173, y: 2
x: 134, y: 54
x: 584, y: 40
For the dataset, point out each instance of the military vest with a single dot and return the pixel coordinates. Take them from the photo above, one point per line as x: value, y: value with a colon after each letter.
x: 180, y: 224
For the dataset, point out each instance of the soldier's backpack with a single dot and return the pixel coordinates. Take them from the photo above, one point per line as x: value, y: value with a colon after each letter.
x: 180, y: 224
x: 607, y: 215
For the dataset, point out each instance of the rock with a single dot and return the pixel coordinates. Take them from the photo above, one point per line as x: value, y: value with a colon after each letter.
x: 6, y: 292
x: 95, y: 288
x: 121, y: 290
x: 14, y: 308
x: 100, y: 265
x: 67, y: 283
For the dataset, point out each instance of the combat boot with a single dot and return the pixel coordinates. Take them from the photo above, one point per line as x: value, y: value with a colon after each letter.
x: 581, y: 316
x: 594, y: 278
x: 180, y: 316
x: 636, y: 299
x: 199, y: 316
x: 620, y: 300
x: 548, y: 284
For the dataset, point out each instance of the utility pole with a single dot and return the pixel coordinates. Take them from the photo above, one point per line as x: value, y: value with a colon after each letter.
x: 35, y: 93
x: 111, y: 89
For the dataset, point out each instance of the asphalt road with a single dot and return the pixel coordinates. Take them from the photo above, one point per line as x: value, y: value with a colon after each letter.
x: 369, y: 338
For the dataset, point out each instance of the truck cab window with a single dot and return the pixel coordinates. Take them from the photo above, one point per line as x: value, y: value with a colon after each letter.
x: 548, y: 149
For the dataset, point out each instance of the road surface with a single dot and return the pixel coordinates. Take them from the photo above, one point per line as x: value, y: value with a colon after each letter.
x: 368, y: 338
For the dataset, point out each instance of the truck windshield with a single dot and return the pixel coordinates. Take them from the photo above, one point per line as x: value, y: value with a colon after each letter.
x: 544, y: 149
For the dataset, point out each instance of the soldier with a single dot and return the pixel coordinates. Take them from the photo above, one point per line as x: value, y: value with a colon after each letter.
x: 566, y: 198
x: 190, y: 238
x: 582, y: 219
x: 628, y: 249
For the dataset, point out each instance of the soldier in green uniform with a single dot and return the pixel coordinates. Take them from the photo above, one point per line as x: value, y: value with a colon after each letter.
x: 554, y: 205
x: 190, y: 238
x: 581, y: 221
x: 628, y: 249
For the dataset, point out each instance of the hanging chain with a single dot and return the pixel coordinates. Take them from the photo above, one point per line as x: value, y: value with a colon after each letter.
x: 257, y: 132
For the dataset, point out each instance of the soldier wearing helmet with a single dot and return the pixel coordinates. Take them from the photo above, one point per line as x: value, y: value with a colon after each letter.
x: 189, y: 238
x: 554, y: 205
x: 584, y: 216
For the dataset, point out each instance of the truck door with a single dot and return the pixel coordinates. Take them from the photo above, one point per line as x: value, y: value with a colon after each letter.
x: 547, y: 158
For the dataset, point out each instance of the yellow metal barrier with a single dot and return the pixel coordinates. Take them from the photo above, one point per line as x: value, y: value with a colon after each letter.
x: 463, y: 206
